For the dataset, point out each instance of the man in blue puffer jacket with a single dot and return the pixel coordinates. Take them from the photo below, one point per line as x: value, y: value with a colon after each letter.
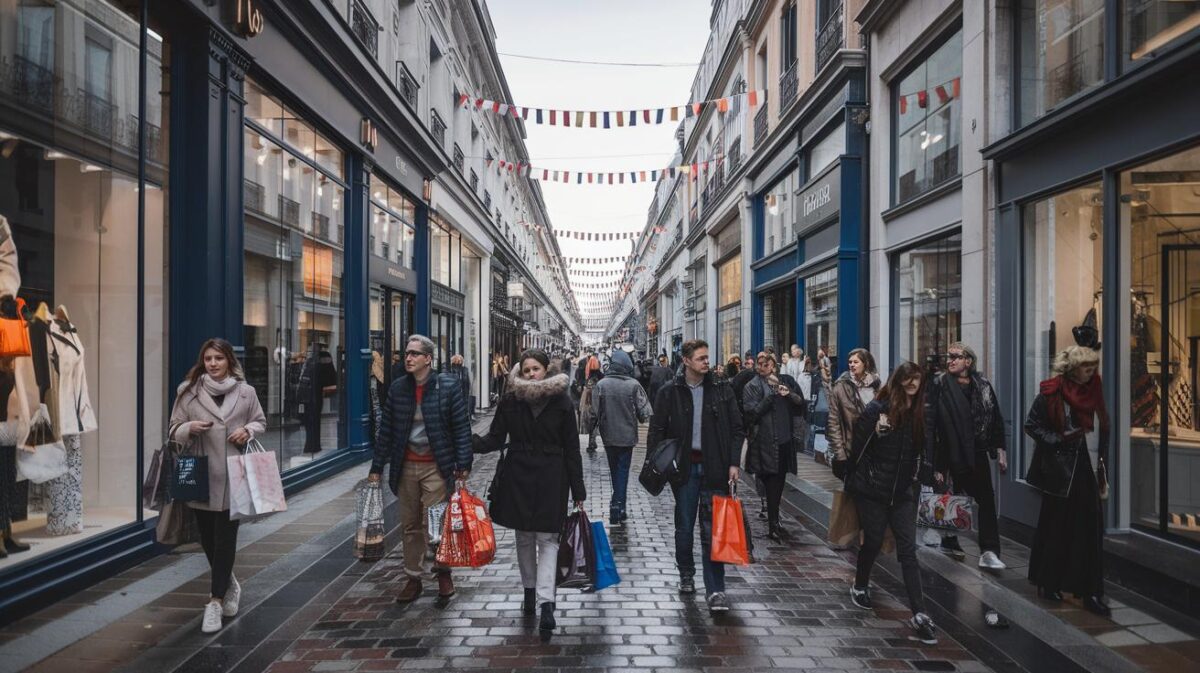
x: 425, y: 434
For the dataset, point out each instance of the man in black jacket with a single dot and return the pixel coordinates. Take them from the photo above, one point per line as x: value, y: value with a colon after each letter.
x: 964, y: 431
x: 660, y: 376
x: 701, y: 414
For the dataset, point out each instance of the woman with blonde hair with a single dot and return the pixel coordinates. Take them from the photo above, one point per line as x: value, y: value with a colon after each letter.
x: 1069, y: 424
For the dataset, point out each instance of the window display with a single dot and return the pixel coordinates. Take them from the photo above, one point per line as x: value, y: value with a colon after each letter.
x: 393, y: 231
x: 729, y: 316
x: 779, y: 318
x: 69, y: 199
x: 821, y: 314
x: 294, y: 327
x: 928, y: 286
x: 1063, y: 274
x: 928, y: 109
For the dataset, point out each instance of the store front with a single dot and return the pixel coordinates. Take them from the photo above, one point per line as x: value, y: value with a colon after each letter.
x: 728, y: 268
x: 1097, y: 228
x: 391, y: 245
x: 927, y: 301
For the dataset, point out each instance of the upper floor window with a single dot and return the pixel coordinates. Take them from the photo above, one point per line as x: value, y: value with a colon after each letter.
x: 927, y: 130
x: 1061, y: 52
x: 779, y: 213
x: 787, y: 36
x: 1152, y: 24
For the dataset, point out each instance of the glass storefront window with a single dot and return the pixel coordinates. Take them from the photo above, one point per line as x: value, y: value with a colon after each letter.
x: 729, y: 322
x: 1151, y: 25
x: 779, y: 213
x: 928, y: 108
x: 69, y: 198
x: 294, y: 327
x: 779, y: 318
x: 1061, y: 52
x: 1063, y: 272
x: 729, y: 281
x: 827, y: 150
x: 821, y: 313
x: 729, y: 315
x: 1160, y: 206
x: 392, y: 230
x: 927, y: 280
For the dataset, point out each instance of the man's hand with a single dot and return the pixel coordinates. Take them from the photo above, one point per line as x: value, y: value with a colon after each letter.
x: 462, y: 475
x: 939, y: 477
x: 374, y: 478
x: 734, y: 473
x: 1002, y: 460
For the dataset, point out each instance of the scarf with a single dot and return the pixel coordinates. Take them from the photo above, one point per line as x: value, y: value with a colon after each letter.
x: 1086, y: 400
x: 215, y: 388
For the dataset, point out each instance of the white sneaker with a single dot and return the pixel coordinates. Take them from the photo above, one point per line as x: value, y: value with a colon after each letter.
x: 233, y: 597
x: 212, y: 617
x: 990, y: 561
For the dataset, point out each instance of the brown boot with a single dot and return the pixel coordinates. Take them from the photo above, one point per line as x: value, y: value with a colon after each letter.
x: 410, y: 592
x: 445, y: 584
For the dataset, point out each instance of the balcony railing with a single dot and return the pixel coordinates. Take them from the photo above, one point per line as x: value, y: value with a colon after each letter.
x: 365, y: 27
x: 254, y: 196
x: 31, y: 83
x: 734, y: 156
x: 760, y: 125
x: 97, y: 114
x: 459, y: 159
x: 829, y: 38
x: 474, y: 181
x: 487, y: 200
x: 320, y: 226
x: 789, y: 86
x: 289, y: 211
x: 437, y: 126
x: 408, y: 85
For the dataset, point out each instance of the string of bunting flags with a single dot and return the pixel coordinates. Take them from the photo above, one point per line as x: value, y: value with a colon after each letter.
x: 594, y: 274
x: 610, y: 118
x: 944, y: 92
x: 522, y: 169
x: 598, y: 235
x: 594, y: 260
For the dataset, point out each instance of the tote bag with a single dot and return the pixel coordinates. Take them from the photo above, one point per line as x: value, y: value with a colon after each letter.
x: 262, y: 475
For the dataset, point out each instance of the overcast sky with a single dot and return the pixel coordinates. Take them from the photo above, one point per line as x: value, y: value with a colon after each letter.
x: 640, y: 31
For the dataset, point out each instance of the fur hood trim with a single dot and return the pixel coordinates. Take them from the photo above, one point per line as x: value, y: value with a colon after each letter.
x: 525, y: 390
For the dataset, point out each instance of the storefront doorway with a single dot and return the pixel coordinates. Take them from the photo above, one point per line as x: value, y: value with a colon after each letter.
x: 392, y: 315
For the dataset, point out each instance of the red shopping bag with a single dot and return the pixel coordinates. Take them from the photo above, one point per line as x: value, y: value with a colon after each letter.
x: 468, y: 539
x: 728, y: 532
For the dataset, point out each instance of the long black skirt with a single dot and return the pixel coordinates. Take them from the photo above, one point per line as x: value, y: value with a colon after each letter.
x: 1068, y: 546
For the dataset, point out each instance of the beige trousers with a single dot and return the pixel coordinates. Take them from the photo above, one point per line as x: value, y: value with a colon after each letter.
x: 421, y: 486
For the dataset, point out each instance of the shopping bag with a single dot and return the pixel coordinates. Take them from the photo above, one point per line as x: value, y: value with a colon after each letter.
x: 43, y: 463
x: 176, y: 525
x: 435, y: 517
x: 189, y: 479
x: 368, y: 507
x: 262, y: 474
x: 241, y: 501
x: 154, y: 486
x: 843, y: 520
x: 728, y: 531
x: 606, y: 566
x: 945, y: 511
x: 576, y: 555
x: 468, y: 537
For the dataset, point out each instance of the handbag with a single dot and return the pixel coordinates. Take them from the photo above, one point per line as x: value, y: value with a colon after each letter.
x: 945, y: 511
x: 154, y: 486
x: 262, y: 475
x: 728, y: 531
x: 368, y: 510
x: 660, y: 467
x: 189, y: 478
x: 14, y: 335
x: 1102, y: 477
x: 576, y: 555
x: 606, y: 566
x: 44, y: 463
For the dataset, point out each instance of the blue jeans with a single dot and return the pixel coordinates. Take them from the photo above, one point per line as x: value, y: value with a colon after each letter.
x: 691, y: 499
x: 619, y: 458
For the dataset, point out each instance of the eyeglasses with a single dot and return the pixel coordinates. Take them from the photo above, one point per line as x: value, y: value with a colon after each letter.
x: 415, y: 354
x: 957, y: 356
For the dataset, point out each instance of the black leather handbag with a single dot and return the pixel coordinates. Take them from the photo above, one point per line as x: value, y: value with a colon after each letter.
x: 661, y: 466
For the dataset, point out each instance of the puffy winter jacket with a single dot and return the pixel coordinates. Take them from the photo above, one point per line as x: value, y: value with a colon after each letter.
x: 886, y: 467
x: 447, y: 423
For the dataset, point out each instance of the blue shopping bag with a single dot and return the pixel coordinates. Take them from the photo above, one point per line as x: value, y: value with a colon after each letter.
x: 606, y: 567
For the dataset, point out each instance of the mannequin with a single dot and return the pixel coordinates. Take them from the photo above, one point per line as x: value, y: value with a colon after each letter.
x: 13, y: 418
x: 74, y: 416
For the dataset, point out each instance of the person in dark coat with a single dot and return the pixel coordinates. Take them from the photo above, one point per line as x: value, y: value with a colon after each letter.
x: 767, y: 415
x: 660, y: 375
x: 536, y: 419
x: 1069, y: 424
x: 459, y: 371
x: 883, y: 472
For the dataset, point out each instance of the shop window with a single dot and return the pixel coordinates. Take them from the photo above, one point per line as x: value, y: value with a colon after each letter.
x: 393, y: 230
x: 779, y: 213
x: 1061, y: 52
x: 828, y: 150
x: 293, y: 311
x: 1063, y: 271
x: 927, y: 282
x: 821, y: 313
x: 927, y: 104
x: 729, y: 297
x: 779, y: 318
x: 69, y: 204
x: 1151, y: 25
x: 1160, y: 206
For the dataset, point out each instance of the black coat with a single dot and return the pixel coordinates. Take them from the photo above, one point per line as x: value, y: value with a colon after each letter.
x: 659, y: 377
x: 542, y: 460
x: 721, y: 434
x: 761, y: 404
x: 885, y: 468
x: 739, y: 382
x: 951, y: 439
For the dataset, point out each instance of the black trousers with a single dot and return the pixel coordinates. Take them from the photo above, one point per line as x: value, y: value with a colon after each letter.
x: 770, y: 486
x: 218, y: 536
x: 978, y: 484
x: 875, y: 518
x: 8, y: 484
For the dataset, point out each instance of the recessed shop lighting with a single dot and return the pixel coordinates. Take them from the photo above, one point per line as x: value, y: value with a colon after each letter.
x: 90, y: 168
x: 337, y: 204
x: 320, y: 190
x: 6, y: 136
x: 52, y: 155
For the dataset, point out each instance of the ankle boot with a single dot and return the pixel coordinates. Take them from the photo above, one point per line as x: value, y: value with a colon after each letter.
x: 547, y: 623
x: 12, y: 545
x: 529, y: 607
x: 1095, y: 604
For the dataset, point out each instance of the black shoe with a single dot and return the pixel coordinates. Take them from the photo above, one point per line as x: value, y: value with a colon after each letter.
x: 13, y: 546
x: 861, y: 597
x: 624, y: 516
x: 687, y: 585
x: 1050, y: 595
x: 547, y: 622
x: 591, y: 448
x: 718, y: 602
x: 614, y: 519
x: 925, y: 631
x: 762, y: 511
x: 950, y: 547
x: 1096, y: 604
x: 773, y: 533
x: 529, y: 607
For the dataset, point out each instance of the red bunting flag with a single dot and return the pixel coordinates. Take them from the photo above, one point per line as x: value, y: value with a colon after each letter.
x: 943, y: 97
x: 923, y: 98
x: 903, y: 104
x: 955, y: 87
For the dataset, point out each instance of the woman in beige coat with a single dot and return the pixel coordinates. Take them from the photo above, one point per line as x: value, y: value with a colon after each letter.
x: 216, y: 414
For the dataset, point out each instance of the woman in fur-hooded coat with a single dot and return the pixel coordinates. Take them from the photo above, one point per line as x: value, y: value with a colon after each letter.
x: 536, y: 419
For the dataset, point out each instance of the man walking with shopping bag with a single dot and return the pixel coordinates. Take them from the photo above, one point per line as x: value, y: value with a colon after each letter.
x: 425, y: 434
x: 701, y: 414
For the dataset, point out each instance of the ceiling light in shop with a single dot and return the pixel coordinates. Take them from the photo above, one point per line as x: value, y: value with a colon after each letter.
x: 90, y: 168
x: 52, y: 155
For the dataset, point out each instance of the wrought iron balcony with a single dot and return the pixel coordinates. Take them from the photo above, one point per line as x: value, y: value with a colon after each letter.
x: 408, y: 85
x: 734, y: 156
x: 437, y: 127
x: 474, y: 181
x: 29, y: 82
x: 289, y: 211
x: 487, y: 200
x: 459, y: 159
x: 365, y: 27
x: 830, y: 38
x: 254, y: 196
x: 320, y: 226
x: 760, y: 125
x: 789, y: 86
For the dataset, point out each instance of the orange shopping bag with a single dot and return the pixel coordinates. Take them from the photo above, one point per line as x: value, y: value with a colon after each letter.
x: 468, y: 539
x: 728, y: 533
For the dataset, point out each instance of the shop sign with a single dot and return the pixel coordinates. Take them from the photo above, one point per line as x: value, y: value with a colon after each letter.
x: 820, y: 200
x: 385, y: 272
x: 245, y: 18
x: 516, y: 290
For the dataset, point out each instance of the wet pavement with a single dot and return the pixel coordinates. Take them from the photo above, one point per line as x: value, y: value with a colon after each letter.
x: 310, y: 606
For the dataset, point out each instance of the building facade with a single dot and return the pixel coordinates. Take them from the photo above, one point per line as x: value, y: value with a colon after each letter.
x: 289, y: 176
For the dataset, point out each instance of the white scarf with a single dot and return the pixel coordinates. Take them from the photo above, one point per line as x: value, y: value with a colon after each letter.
x: 215, y: 388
